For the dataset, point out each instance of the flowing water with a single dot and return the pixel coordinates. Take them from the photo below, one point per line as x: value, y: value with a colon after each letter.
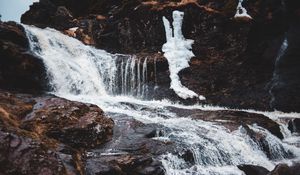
x: 83, y: 73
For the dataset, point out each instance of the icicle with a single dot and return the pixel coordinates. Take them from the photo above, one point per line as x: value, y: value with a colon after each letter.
x: 144, y: 91
x: 132, y: 81
x: 155, y: 71
x: 178, y: 52
x: 127, y: 69
x: 122, y: 76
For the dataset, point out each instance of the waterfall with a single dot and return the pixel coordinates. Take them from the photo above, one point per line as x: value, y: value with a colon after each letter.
x: 83, y: 73
x: 178, y: 52
x: 273, y: 82
x: 90, y: 71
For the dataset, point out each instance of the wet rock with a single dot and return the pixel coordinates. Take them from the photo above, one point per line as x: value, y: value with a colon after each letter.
x: 294, y: 125
x: 125, y: 165
x: 253, y: 170
x: 262, y: 140
x: 73, y: 123
x: 132, y: 150
x: 23, y: 155
x: 283, y: 169
x: 47, y: 134
x: 19, y: 69
x: 233, y: 119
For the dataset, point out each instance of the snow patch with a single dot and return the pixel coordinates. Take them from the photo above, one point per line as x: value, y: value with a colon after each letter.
x: 241, y: 12
x: 178, y: 52
x: 73, y: 29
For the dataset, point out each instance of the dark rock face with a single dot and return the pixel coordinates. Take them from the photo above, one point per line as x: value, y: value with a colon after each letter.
x: 283, y: 169
x: 45, y: 135
x: 285, y: 83
x: 19, y: 69
x: 46, y: 14
x: 253, y: 170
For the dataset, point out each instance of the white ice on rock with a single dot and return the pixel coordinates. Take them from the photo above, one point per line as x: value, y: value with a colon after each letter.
x: 178, y: 52
x: 241, y: 12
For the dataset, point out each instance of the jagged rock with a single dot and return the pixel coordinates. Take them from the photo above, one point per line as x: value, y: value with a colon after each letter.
x: 19, y: 69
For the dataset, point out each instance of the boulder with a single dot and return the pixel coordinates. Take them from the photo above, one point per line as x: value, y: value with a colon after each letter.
x: 284, y: 169
x: 72, y: 123
x: 253, y: 170
x: 19, y: 69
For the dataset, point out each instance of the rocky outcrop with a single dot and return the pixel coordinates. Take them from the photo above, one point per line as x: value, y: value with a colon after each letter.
x: 19, y: 69
x: 46, y: 134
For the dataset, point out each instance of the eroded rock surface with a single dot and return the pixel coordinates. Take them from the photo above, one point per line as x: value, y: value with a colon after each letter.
x: 47, y: 134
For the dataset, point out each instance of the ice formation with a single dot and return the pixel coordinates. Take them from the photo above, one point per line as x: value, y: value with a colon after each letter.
x: 241, y: 12
x: 178, y: 52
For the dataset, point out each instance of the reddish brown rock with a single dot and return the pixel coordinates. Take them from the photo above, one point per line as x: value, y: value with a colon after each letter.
x: 40, y: 135
x: 76, y: 124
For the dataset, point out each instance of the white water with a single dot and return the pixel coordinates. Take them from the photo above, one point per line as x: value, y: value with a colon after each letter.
x: 241, y: 12
x: 84, y: 70
x: 82, y: 73
x: 178, y: 52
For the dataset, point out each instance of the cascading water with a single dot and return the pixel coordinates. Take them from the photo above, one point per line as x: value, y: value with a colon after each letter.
x: 82, y: 73
x: 86, y: 70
